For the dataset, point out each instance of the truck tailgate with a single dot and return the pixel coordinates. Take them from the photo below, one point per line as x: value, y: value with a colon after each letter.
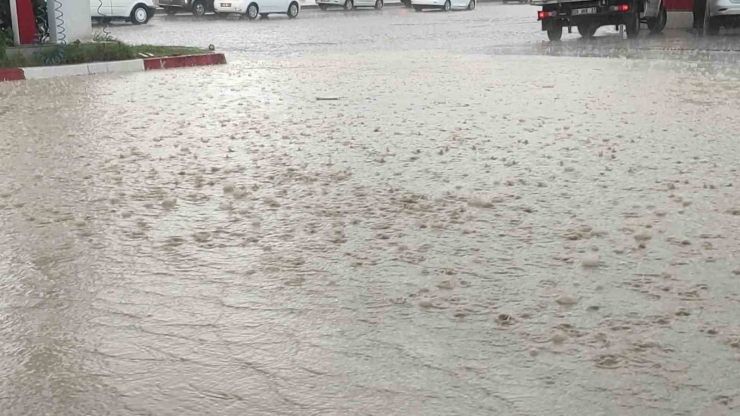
x: 544, y: 2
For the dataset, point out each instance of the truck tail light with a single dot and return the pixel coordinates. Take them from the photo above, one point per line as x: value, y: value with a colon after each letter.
x: 542, y: 15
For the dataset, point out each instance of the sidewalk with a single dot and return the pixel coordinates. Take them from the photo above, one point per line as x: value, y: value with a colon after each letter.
x: 310, y: 5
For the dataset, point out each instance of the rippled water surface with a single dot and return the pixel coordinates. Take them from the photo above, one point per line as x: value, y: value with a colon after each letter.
x: 450, y: 234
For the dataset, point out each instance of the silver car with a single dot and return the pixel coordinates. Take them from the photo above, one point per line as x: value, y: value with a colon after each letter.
x: 722, y: 13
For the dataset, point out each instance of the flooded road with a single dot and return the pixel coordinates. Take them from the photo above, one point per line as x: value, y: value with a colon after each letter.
x: 421, y: 232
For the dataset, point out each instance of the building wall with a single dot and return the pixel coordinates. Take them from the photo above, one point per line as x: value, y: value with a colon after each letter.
x: 77, y: 24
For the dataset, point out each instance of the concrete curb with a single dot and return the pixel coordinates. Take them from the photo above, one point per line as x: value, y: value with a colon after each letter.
x: 184, y: 61
x: 134, y: 65
x: 12, y: 74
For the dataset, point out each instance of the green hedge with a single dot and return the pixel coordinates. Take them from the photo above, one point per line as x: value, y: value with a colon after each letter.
x: 79, y: 53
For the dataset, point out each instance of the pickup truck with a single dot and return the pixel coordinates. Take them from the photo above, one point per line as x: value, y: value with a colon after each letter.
x: 589, y: 15
x: 197, y: 7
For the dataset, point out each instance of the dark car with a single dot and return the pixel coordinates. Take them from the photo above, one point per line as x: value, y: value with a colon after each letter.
x: 197, y: 7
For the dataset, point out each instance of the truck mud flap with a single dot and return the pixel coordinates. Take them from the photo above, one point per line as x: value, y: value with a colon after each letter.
x: 551, y: 24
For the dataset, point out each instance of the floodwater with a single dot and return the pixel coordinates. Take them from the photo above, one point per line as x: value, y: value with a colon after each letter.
x: 397, y: 232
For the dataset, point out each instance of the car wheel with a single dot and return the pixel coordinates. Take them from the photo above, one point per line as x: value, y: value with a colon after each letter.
x: 713, y: 27
x: 139, y: 15
x: 293, y: 10
x: 323, y: 6
x: 418, y: 8
x: 252, y: 11
x: 657, y: 24
x: 555, y: 33
x: 199, y: 8
x: 471, y: 5
x: 171, y: 11
x: 587, y: 31
x: 349, y: 5
x: 378, y: 4
x: 448, y: 6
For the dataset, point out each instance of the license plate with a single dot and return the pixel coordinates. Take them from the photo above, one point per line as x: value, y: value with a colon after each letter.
x: 225, y: 4
x: 589, y: 10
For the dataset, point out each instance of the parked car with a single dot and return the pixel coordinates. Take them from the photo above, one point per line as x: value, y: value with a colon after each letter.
x: 350, y: 4
x: 254, y: 8
x: 445, y: 5
x: 198, y: 7
x: 722, y: 13
x: 137, y: 12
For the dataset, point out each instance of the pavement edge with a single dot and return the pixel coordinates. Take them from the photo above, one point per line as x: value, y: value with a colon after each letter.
x: 185, y: 61
x: 11, y: 74
x: 134, y: 65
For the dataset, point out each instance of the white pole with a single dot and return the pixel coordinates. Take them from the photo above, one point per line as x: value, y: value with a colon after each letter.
x: 51, y: 17
x: 14, y: 20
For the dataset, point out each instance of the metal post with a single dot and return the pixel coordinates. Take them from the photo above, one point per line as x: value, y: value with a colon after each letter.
x: 14, y: 20
x: 707, y: 17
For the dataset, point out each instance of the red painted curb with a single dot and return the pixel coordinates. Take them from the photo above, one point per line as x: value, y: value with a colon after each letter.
x: 184, y: 61
x: 12, y: 74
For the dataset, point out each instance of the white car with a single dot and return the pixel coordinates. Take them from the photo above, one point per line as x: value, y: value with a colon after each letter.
x: 445, y: 5
x: 254, y: 8
x: 349, y: 4
x: 137, y: 12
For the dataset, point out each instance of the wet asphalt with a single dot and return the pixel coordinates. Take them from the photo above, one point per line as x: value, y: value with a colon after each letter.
x: 375, y: 213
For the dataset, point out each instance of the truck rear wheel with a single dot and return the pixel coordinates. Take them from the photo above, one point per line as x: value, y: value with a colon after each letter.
x: 657, y: 24
x: 632, y: 24
x: 555, y: 33
x: 587, y: 31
